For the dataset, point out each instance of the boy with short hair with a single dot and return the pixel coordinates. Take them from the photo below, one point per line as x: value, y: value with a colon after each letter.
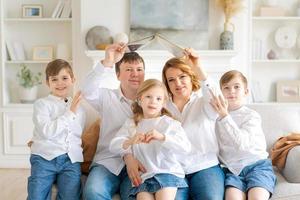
x: 249, y: 173
x: 56, y: 150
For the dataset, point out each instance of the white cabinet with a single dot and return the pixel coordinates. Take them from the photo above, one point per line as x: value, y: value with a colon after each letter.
x: 265, y: 71
x: 27, y: 35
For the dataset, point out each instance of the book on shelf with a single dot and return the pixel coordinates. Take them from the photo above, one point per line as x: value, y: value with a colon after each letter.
x: 62, y: 9
x: 67, y: 9
x: 172, y: 47
x: 11, y: 55
x: 19, y: 50
x: 256, y: 92
x: 15, y: 50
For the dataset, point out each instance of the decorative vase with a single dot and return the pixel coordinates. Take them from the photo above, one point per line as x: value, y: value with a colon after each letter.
x: 271, y: 55
x: 227, y: 38
x: 28, y: 95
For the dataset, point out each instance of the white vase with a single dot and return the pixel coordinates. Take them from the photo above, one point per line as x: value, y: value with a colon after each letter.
x: 28, y: 95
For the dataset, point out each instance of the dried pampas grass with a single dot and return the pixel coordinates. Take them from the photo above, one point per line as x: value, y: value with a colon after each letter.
x: 230, y: 7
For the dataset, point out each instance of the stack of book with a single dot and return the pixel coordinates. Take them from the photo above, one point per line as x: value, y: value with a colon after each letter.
x: 63, y: 9
x: 15, y: 50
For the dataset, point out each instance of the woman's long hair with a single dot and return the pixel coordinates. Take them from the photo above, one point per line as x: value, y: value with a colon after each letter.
x: 137, y: 110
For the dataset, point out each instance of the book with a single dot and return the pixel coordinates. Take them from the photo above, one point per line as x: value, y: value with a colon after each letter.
x: 11, y: 51
x: 19, y: 50
x: 66, y: 12
x: 172, y: 47
x: 58, y: 8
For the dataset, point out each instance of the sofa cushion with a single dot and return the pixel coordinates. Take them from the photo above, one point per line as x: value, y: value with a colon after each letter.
x: 90, y: 139
x: 292, y: 165
x: 278, y: 120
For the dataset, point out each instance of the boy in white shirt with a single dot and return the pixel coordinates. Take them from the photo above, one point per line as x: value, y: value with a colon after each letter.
x: 56, y: 150
x: 154, y: 138
x: 249, y: 174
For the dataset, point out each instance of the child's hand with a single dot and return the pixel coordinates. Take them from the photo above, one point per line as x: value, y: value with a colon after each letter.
x: 76, y: 100
x: 136, y: 139
x: 219, y: 104
x: 154, y: 135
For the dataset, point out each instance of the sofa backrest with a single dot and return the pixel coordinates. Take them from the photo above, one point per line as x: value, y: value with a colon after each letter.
x: 278, y: 119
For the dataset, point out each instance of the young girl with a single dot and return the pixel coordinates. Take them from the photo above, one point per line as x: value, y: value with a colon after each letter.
x: 56, y: 145
x: 249, y: 174
x: 155, y: 139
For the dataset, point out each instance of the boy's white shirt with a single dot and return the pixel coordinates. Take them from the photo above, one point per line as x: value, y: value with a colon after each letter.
x: 241, y: 139
x: 156, y: 156
x: 198, y: 119
x: 57, y: 130
x: 114, y: 109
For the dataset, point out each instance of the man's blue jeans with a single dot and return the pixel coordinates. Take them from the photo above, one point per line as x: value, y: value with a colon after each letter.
x: 101, y: 184
x: 60, y: 170
x: 206, y: 184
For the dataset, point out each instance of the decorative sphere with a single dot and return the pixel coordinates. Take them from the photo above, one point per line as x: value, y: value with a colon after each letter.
x: 121, y: 38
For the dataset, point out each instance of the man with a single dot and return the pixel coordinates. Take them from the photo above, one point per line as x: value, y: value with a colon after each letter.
x: 107, y: 173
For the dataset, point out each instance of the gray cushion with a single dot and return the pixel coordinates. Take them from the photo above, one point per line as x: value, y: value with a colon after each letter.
x: 292, y: 166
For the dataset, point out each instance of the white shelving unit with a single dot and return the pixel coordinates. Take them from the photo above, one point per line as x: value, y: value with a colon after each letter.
x: 15, y: 117
x: 266, y: 73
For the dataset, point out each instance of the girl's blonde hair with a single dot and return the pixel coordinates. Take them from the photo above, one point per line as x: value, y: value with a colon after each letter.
x: 180, y: 63
x: 145, y: 86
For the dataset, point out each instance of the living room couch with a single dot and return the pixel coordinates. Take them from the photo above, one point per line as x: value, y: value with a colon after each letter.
x: 279, y: 120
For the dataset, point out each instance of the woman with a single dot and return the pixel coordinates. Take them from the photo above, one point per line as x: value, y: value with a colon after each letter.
x: 203, y: 174
x: 182, y: 78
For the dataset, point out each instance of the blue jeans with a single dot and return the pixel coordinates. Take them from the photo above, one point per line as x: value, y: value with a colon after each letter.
x: 206, y: 184
x: 102, y: 184
x: 60, y: 170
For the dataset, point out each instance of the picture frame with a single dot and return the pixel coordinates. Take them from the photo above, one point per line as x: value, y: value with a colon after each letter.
x: 32, y: 11
x: 42, y: 53
x: 288, y: 91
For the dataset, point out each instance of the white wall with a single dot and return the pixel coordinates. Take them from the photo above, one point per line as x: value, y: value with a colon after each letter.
x: 114, y: 14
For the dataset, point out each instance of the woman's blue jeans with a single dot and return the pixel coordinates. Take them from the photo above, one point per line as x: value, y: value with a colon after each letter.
x: 206, y: 184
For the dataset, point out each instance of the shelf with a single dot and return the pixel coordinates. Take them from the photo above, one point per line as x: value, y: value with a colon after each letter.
x: 152, y: 54
x: 38, y: 20
x: 30, y: 61
x: 291, y: 18
x: 277, y: 61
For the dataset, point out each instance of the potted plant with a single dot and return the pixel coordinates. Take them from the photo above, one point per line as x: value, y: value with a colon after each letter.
x: 230, y: 8
x: 28, y: 84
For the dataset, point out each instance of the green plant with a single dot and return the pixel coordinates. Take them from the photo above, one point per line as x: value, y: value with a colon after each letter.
x: 27, y: 78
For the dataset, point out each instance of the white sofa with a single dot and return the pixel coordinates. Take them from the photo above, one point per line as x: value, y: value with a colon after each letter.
x: 279, y: 120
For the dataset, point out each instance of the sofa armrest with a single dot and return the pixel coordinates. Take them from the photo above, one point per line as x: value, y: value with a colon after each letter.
x: 292, y: 166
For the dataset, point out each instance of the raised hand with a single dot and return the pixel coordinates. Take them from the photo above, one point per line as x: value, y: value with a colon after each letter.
x: 192, y: 59
x: 76, y: 101
x: 113, y: 54
x: 219, y: 104
x: 154, y: 135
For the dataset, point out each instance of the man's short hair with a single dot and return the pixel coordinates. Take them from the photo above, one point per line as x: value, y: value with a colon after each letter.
x: 130, y: 57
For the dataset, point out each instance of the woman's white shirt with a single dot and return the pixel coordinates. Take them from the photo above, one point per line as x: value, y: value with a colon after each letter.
x: 57, y: 130
x: 241, y: 139
x: 156, y: 156
x: 198, y: 120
